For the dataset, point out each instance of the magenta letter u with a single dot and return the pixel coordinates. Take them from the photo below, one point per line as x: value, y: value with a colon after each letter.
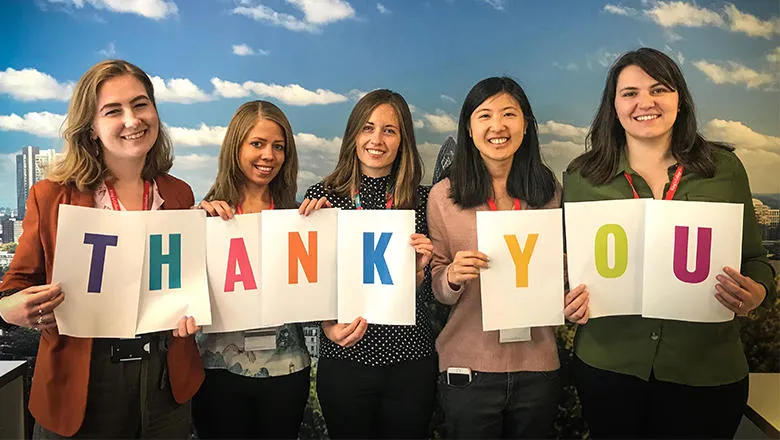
x: 703, y: 252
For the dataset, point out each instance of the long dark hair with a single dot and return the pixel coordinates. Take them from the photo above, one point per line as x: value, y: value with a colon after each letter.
x: 529, y: 178
x: 407, y: 169
x: 607, y: 137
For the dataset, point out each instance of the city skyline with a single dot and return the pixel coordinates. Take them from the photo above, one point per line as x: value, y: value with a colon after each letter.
x: 315, y: 58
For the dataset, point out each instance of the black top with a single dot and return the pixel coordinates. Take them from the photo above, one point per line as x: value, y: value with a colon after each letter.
x: 385, y: 344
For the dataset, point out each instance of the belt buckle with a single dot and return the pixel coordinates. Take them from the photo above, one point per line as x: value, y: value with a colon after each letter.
x: 132, y: 349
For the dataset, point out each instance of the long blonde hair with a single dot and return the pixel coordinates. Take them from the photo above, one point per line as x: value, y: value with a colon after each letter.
x: 83, y: 164
x: 229, y: 184
x: 407, y: 169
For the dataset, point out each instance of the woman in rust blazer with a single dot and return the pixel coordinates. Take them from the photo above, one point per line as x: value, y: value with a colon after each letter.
x: 116, y: 157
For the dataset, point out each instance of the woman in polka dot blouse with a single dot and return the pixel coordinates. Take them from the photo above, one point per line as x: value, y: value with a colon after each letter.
x: 378, y: 381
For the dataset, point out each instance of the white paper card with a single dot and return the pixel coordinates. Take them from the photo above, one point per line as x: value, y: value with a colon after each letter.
x: 233, y: 264
x: 98, y: 261
x: 176, y: 286
x: 604, y: 248
x: 688, y: 244
x: 523, y: 287
x: 376, y: 266
x: 302, y: 260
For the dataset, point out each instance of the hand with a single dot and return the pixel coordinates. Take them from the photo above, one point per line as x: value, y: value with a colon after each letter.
x: 465, y: 267
x: 185, y: 327
x: 423, y: 248
x: 310, y: 205
x: 217, y: 208
x: 739, y: 293
x: 32, y: 307
x: 576, y: 307
x: 345, y: 335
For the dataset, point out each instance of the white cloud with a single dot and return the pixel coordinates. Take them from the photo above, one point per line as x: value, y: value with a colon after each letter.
x: 677, y: 13
x: 558, y: 154
x: 418, y: 124
x: 750, y: 24
x: 734, y: 73
x: 571, y: 67
x: 109, y: 51
x: 774, y: 56
x: 242, y: 50
x: 32, y: 85
x: 228, y: 89
x: 199, y: 170
x: 313, y: 142
x: 292, y: 94
x: 382, y: 9
x: 317, y: 157
x: 441, y: 122
x: 496, y: 4
x: 154, y: 9
x: 180, y: 90
x: 43, y: 124
x: 740, y: 135
x: 197, y: 137
x: 315, y: 14
x: 448, y: 98
x: 620, y: 10
x: 676, y: 54
x: 606, y: 58
x: 760, y: 153
x: 565, y: 131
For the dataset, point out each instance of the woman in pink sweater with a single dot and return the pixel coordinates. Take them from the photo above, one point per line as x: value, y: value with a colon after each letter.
x: 489, y: 388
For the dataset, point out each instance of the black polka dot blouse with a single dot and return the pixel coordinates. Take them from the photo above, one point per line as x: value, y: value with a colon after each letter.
x: 385, y: 344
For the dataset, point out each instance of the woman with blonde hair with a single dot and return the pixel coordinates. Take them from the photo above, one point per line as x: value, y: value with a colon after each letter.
x: 378, y: 381
x: 117, y: 156
x: 253, y: 393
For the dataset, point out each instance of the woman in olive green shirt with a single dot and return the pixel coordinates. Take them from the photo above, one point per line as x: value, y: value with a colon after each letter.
x: 655, y: 378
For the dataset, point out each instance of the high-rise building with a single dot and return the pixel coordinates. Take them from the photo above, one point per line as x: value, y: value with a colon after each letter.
x: 31, y: 166
x: 8, y: 230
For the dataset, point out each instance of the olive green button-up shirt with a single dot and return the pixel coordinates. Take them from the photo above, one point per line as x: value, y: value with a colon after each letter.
x: 689, y: 353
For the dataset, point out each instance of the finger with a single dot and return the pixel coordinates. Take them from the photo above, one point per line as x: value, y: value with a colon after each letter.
x: 322, y: 203
x: 356, y: 335
x: 472, y: 254
x: 475, y: 262
x: 207, y: 206
x: 731, y: 286
x: 721, y: 299
x: 737, y: 277
x: 192, y: 328
x: 304, y: 204
x: 735, y: 302
x: 466, y: 270
x: 182, y: 327
x: 311, y: 207
x: 224, y: 211
x: 45, y: 295
x: 423, y: 248
x: 575, y: 304
x: 573, y: 293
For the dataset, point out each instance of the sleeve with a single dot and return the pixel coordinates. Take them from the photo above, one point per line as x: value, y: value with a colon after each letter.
x: 28, y: 268
x: 755, y: 263
x: 442, y: 257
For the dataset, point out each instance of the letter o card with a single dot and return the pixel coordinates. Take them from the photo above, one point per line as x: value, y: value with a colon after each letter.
x: 523, y: 286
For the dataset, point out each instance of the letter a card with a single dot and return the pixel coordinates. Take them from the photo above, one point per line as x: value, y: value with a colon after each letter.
x: 523, y: 285
x: 376, y: 275
x: 174, y: 281
x: 604, y: 243
x: 301, y: 260
x: 233, y: 265
x: 688, y: 244
x: 97, y: 261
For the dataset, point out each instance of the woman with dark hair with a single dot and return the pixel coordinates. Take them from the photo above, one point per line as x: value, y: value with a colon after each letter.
x: 654, y: 378
x: 378, y: 381
x: 506, y: 389
x: 251, y: 390
x: 117, y: 156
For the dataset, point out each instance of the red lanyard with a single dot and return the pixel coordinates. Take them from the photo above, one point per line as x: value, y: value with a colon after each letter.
x: 239, y: 210
x: 359, y: 207
x: 672, y: 186
x: 515, y: 207
x: 115, y: 200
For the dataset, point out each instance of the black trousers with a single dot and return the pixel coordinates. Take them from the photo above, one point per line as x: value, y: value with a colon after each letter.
x: 229, y: 405
x: 623, y: 406
x: 520, y: 404
x: 394, y: 401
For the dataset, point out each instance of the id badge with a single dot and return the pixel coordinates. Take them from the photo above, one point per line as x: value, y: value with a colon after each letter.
x: 263, y: 339
x: 514, y: 335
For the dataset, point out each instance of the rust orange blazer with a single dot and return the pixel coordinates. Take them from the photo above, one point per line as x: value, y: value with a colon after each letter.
x: 58, y: 398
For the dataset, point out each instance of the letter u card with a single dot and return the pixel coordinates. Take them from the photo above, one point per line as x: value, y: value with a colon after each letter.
x: 688, y: 244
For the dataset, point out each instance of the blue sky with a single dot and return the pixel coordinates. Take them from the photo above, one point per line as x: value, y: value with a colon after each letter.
x: 315, y: 57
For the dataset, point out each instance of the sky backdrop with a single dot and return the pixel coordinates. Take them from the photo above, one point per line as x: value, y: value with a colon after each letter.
x: 315, y: 58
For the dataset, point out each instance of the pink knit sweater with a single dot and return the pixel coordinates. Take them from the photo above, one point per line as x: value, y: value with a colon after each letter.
x: 462, y: 343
